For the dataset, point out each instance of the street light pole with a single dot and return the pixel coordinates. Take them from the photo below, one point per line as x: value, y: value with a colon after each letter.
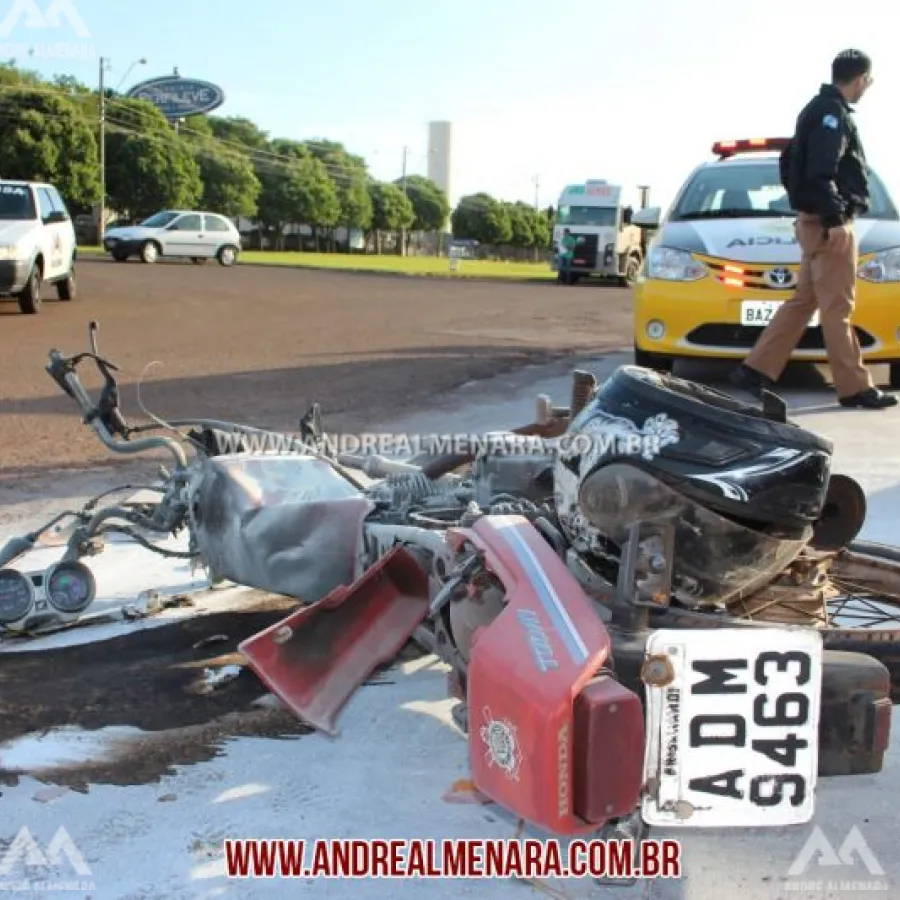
x: 104, y: 65
x: 101, y: 226
x: 406, y: 192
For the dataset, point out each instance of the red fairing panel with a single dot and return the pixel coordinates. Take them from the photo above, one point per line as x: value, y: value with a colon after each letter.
x: 315, y: 658
x: 526, y: 669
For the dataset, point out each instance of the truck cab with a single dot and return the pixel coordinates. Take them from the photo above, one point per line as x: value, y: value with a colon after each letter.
x: 608, y: 245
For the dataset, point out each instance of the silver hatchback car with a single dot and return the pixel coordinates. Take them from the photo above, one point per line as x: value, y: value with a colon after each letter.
x: 197, y: 236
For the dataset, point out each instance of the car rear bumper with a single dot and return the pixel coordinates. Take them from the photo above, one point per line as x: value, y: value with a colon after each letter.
x: 13, y: 275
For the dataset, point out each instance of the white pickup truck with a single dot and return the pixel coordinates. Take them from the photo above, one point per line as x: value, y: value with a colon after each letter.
x: 37, y: 243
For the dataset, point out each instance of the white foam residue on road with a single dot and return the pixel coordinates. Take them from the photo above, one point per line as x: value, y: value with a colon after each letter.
x: 62, y: 747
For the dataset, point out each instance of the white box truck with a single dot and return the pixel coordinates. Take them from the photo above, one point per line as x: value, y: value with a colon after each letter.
x: 608, y: 245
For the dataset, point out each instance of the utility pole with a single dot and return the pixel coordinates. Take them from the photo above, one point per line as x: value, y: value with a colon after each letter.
x: 537, y: 191
x: 101, y: 221
x: 402, y: 249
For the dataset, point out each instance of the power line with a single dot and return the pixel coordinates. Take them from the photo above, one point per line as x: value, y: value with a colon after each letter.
x: 267, y: 163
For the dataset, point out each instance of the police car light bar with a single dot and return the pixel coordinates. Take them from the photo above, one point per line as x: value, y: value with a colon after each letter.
x: 723, y: 149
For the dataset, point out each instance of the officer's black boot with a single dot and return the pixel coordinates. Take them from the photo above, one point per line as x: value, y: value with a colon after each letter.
x: 869, y: 399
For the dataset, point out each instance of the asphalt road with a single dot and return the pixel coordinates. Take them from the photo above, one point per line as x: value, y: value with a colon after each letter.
x: 260, y: 344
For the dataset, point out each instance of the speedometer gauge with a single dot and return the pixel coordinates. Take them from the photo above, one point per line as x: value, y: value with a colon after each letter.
x: 70, y: 587
x: 16, y: 596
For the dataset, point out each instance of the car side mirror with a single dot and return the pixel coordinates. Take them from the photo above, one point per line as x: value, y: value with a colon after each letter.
x: 647, y: 218
x: 55, y: 218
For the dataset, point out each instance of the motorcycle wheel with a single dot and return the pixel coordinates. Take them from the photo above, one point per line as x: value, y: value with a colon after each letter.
x: 864, y: 616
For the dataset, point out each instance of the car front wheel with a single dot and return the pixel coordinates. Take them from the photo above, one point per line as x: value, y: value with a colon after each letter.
x: 30, y: 296
x: 67, y: 288
x: 227, y: 256
x: 149, y: 252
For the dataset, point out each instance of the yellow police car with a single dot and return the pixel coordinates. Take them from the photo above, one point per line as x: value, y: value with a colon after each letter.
x: 725, y: 255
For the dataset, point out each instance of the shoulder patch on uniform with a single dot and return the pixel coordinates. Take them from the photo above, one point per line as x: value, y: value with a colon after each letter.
x: 830, y: 121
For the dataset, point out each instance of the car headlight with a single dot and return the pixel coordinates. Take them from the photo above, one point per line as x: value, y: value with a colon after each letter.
x: 884, y: 266
x: 674, y: 265
x: 12, y: 251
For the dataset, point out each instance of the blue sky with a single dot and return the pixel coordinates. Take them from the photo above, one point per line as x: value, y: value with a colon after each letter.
x: 632, y: 92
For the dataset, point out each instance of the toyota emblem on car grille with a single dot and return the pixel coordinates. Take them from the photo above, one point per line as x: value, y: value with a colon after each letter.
x: 780, y: 277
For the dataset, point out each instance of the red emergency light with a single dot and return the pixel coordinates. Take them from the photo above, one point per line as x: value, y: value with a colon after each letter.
x: 723, y: 149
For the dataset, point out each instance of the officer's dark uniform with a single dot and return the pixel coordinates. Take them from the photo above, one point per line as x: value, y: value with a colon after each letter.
x: 828, y: 174
x: 824, y: 171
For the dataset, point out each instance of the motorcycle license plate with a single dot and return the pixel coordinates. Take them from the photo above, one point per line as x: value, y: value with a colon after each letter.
x: 761, y: 312
x: 732, y: 727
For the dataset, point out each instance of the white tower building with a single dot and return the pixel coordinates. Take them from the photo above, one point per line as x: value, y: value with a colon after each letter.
x: 440, y: 157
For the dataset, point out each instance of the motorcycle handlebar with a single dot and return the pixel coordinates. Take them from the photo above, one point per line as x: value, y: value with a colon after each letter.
x: 62, y: 370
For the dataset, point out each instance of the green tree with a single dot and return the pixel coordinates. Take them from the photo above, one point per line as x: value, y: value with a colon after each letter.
x: 392, y: 210
x: 521, y: 220
x: 481, y: 218
x: 10, y: 74
x: 46, y: 137
x: 230, y: 185
x: 238, y: 131
x: 281, y: 181
x: 350, y: 177
x: 542, y: 230
x: 430, y: 203
x: 148, y: 166
x: 315, y: 198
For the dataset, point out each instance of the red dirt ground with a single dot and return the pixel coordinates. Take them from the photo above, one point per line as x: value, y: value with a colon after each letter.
x: 260, y: 344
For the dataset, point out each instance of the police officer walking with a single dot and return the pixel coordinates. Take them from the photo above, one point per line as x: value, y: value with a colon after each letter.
x: 825, y: 175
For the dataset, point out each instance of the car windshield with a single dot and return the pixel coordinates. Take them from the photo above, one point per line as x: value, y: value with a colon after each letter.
x: 160, y: 220
x: 586, y: 215
x: 16, y: 203
x: 753, y: 190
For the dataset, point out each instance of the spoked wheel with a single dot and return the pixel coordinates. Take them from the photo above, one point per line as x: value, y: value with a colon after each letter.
x: 851, y: 596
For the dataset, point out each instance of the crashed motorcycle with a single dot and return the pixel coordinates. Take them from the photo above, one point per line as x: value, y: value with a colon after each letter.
x: 592, y: 606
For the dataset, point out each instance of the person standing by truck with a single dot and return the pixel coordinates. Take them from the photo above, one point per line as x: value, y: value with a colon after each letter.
x: 566, y: 254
